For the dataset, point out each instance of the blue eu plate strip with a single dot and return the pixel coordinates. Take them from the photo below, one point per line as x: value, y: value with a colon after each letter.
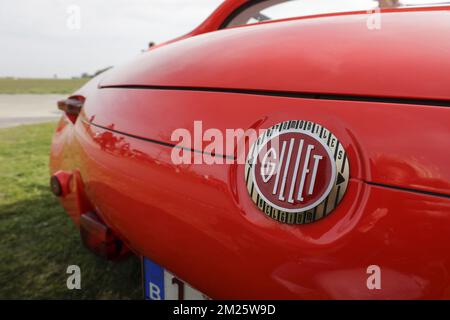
x: 153, y: 280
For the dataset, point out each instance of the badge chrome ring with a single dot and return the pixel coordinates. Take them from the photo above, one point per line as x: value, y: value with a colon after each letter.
x: 336, y: 186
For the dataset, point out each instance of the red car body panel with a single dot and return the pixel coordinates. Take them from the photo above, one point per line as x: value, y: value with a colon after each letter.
x: 327, y: 55
x: 198, y: 220
x: 362, y: 127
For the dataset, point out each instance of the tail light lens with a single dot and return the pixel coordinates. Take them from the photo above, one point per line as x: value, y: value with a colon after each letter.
x: 72, y: 106
x: 100, y: 239
x: 60, y: 183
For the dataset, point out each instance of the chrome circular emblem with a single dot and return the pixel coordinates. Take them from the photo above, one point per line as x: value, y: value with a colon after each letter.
x: 297, y: 172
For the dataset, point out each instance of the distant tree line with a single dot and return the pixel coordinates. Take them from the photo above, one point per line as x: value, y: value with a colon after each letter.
x: 388, y: 3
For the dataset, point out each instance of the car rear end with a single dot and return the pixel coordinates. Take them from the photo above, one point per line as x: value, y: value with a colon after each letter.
x: 381, y: 95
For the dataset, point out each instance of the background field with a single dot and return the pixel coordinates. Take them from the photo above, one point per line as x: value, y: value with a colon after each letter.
x: 38, y: 240
x: 40, y: 86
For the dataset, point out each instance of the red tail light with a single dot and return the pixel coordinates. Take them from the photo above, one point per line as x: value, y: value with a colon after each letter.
x: 60, y: 183
x: 72, y: 106
x: 100, y: 239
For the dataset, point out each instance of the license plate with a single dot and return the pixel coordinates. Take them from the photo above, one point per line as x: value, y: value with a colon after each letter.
x: 160, y: 284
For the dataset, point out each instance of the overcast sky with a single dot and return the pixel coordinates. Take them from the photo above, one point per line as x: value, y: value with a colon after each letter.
x: 40, y: 38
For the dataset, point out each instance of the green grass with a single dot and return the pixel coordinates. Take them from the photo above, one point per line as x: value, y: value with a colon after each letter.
x: 40, y: 86
x: 37, y: 239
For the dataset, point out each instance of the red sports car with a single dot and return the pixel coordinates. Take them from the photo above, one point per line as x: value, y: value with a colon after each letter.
x: 269, y: 156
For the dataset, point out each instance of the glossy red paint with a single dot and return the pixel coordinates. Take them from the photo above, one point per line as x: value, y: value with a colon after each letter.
x: 395, y: 214
x: 326, y: 55
x: 387, y: 143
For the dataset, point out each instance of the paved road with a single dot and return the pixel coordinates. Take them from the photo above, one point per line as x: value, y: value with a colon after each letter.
x: 18, y: 109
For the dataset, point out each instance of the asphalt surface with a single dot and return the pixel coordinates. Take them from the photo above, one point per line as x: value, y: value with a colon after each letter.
x: 18, y: 109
